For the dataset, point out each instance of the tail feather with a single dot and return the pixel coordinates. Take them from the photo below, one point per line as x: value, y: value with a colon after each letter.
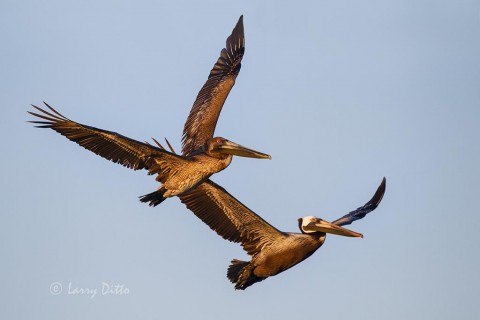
x: 241, y: 274
x: 155, y: 198
x: 235, y: 270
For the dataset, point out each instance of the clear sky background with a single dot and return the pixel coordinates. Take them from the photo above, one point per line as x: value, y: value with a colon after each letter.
x: 340, y: 93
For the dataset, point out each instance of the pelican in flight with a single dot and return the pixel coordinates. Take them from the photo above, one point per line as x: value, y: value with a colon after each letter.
x: 202, y: 154
x: 272, y: 250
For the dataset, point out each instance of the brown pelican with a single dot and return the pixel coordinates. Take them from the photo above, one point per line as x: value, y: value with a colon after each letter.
x: 272, y: 251
x: 203, y: 154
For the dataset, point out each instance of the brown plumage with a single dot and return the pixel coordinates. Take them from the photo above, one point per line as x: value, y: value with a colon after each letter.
x: 272, y: 251
x: 203, y: 155
x: 201, y: 121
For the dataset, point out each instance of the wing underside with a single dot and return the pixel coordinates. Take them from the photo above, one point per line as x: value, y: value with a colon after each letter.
x: 362, y: 211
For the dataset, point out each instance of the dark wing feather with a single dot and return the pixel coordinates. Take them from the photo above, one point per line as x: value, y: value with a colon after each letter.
x: 229, y: 218
x: 361, y: 212
x: 109, y: 145
x: 206, y: 109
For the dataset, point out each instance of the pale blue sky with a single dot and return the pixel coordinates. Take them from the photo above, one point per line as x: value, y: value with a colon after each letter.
x: 340, y: 93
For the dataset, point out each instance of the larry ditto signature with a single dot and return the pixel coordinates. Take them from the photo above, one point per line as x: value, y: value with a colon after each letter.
x: 105, y: 289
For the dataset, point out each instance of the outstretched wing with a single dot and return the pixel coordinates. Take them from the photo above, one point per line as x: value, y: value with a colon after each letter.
x: 206, y: 109
x: 229, y: 218
x: 361, y: 212
x: 109, y: 145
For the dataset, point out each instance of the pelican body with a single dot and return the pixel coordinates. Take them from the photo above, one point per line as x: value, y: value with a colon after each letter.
x: 202, y: 154
x: 272, y: 251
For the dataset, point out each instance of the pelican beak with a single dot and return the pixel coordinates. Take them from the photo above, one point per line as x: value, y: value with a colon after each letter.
x: 233, y: 148
x: 327, y: 227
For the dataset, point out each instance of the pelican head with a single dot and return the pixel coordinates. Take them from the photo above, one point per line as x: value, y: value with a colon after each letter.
x: 311, y: 225
x: 214, y: 147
